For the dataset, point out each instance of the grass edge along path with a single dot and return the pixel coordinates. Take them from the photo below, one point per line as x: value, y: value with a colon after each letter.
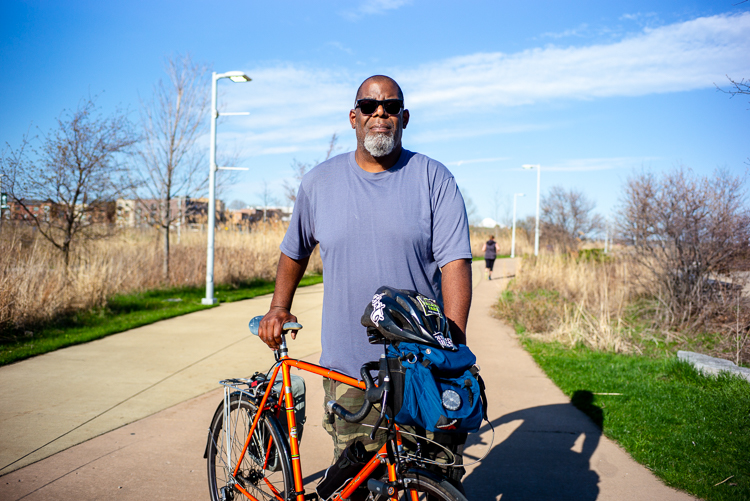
x: 128, y: 311
x: 691, y: 430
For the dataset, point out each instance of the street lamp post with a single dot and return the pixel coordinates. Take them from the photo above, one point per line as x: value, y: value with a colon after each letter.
x: 513, y: 237
x: 538, y: 184
x: 234, y: 76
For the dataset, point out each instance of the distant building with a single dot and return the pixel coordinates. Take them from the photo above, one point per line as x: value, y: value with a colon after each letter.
x: 42, y: 209
x: 138, y: 213
x: 251, y: 215
x: 45, y: 210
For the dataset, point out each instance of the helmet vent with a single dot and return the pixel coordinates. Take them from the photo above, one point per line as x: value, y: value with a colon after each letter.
x: 398, y: 320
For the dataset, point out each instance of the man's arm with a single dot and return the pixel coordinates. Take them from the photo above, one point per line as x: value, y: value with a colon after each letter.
x: 288, y: 275
x: 456, y: 288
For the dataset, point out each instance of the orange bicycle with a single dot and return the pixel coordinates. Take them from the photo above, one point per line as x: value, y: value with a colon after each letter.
x: 250, y: 454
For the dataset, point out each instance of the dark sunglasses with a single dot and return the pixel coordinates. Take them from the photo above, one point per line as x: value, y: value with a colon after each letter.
x: 370, y: 106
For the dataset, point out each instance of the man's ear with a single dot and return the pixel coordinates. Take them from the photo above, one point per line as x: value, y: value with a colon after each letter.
x: 405, y: 118
x: 353, y: 118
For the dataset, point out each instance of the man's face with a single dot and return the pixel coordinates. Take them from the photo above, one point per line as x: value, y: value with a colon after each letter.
x: 379, y: 133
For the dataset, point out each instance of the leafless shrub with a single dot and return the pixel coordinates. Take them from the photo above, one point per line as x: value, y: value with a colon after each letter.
x: 567, y: 218
x: 686, y: 232
x: 77, y: 169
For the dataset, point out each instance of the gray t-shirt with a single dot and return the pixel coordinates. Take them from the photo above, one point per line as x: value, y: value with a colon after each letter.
x: 395, y: 228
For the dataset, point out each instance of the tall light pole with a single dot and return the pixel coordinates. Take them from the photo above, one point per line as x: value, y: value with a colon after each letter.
x: 234, y: 76
x: 538, y: 184
x: 513, y: 237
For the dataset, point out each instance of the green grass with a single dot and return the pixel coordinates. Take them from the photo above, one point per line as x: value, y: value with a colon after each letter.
x: 124, y: 312
x: 691, y: 430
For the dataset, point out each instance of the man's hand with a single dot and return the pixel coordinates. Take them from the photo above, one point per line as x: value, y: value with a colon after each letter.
x: 288, y: 275
x: 271, y: 326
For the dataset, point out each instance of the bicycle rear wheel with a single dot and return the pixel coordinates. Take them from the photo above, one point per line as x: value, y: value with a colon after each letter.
x: 421, y: 487
x: 265, y: 471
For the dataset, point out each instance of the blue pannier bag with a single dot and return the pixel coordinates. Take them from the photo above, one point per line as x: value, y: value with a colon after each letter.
x: 442, y: 389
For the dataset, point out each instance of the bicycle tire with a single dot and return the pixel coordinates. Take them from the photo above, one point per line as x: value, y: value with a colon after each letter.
x: 427, y: 487
x: 266, y: 469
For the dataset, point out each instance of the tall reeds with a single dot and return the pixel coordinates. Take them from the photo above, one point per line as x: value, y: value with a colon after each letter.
x: 503, y: 237
x: 573, y: 300
x: 35, y: 286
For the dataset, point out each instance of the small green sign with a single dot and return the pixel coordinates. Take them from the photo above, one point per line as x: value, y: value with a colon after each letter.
x: 3, y: 200
x: 429, y: 306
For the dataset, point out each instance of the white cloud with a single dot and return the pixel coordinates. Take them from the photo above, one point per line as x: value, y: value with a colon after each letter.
x: 581, y: 30
x: 368, y: 7
x: 641, y: 17
x: 452, y: 134
x: 596, y: 164
x: 477, y: 161
x: 341, y: 47
x: 678, y: 57
x: 378, y: 6
x: 297, y: 108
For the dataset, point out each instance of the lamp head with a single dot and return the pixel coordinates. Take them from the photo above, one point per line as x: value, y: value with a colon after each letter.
x: 235, y: 76
x: 529, y: 166
x: 240, y: 78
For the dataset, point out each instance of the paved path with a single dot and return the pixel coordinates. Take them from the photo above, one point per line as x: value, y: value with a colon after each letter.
x: 125, y: 417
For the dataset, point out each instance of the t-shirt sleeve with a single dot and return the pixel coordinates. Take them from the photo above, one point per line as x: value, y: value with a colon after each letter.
x: 299, y: 241
x: 450, y: 225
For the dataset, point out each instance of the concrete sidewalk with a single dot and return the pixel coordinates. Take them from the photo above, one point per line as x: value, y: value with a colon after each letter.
x: 125, y: 417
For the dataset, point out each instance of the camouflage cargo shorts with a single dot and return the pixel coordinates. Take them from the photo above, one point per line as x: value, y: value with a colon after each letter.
x: 344, y: 433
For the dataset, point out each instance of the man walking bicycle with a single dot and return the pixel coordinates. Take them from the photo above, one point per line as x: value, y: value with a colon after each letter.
x: 382, y: 215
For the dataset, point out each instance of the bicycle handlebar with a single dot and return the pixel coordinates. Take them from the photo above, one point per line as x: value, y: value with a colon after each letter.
x: 289, y: 326
x: 372, y: 394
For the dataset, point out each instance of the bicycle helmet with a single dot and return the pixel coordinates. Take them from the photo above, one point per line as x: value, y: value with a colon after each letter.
x: 403, y: 315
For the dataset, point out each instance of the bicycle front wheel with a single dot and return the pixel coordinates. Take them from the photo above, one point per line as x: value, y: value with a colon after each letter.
x: 420, y: 487
x: 265, y: 470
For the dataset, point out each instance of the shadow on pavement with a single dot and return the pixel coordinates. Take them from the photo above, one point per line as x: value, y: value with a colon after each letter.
x: 546, y: 457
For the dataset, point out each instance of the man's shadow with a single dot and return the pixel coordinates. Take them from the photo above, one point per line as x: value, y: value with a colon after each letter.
x: 546, y: 457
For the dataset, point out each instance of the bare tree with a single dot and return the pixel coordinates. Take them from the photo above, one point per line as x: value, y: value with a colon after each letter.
x: 686, y: 231
x: 267, y: 198
x: 75, y: 175
x: 737, y: 87
x: 567, y: 218
x: 173, y: 120
x: 300, y: 169
x: 237, y: 204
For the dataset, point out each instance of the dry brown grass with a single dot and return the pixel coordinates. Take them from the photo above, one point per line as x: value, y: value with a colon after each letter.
x: 503, y: 237
x: 573, y: 301
x: 34, y: 285
x: 608, y: 305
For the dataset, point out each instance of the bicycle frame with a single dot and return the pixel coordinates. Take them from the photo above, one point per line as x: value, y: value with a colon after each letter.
x: 284, y: 364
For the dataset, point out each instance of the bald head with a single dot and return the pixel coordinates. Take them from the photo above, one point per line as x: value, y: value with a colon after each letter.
x: 377, y: 78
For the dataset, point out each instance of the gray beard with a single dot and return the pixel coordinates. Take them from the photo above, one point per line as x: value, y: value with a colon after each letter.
x: 379, y: 145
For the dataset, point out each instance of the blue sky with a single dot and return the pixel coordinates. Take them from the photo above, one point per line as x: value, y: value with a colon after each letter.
x: 590, y: 90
